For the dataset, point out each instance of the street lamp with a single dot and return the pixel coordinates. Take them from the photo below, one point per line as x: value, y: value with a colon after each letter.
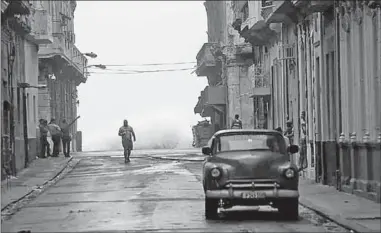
x: 24, y: 86
x: 91, y: 55
x: 100, y: 66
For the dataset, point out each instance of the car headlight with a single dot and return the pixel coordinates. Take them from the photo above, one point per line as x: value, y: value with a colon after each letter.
x: 289, y: 173
x: 215, y: 172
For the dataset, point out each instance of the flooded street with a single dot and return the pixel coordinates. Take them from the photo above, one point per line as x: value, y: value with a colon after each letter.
x: 104, y: 194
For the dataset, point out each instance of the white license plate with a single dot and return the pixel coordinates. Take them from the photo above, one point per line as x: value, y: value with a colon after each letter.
x: 253, y: 195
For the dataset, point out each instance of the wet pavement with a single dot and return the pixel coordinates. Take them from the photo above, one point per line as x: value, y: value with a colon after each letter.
x: 103, y: 194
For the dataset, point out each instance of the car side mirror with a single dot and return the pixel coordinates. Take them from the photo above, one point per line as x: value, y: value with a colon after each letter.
x: 293, y: 149
x: 206, y: 150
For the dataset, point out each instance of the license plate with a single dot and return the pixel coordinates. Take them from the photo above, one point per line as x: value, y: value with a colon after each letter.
x: 253, y: 195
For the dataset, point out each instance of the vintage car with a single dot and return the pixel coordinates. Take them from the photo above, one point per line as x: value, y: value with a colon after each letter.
x: 250, y: 168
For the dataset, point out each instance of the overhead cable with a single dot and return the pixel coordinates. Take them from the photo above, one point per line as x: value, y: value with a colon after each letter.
x: 153, y: 64
x: 141, y: 72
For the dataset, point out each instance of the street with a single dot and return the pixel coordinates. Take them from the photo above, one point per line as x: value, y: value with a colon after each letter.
x: 103, y: 194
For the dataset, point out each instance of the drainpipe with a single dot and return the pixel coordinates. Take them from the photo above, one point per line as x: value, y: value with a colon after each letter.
x: 338, y: 76
x: 25, y: 124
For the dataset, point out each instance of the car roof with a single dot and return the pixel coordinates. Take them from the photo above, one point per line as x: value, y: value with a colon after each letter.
x: 233, y: 131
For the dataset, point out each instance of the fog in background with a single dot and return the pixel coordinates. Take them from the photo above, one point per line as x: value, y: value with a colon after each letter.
x: 159, y: 106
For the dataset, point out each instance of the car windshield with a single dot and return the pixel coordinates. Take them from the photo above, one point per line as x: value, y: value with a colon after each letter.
x: 236, y: 142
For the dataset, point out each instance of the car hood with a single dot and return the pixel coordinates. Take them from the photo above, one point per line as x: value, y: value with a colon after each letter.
x: 252, y: 164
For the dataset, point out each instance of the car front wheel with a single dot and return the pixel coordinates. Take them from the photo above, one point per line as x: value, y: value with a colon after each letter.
x: 289, y: 209
x: 211, y: 208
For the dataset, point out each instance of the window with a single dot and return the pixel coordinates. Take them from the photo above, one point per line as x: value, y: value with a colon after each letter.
x: 252, y: 141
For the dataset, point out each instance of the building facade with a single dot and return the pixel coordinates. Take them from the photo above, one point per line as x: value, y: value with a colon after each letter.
x: 62, y: 67
x: 36, y: 41
x: 317, y: 65
x: 224, y: 60
x: 20, y: 42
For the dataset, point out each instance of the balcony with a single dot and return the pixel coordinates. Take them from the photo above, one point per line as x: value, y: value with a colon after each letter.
x: 319, y: 6
x: 42, y: 27
x: 259, y: 34
x: 20, y: 24
x: 63, y: 48
x: 244, y: 50
x: 210, y: 99
x: 206, y: 61
x: 15, y: 7
x: 267, y: 8
x: 284, y: 11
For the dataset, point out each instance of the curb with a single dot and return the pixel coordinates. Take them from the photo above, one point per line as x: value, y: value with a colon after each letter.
x: 37, y: 190
x: 175, y: 159
x: 350, y: 225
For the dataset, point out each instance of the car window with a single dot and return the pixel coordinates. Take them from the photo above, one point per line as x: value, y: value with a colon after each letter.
x: 252, y: 142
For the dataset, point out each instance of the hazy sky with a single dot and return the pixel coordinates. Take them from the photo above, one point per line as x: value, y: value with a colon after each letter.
x: 139, y: 32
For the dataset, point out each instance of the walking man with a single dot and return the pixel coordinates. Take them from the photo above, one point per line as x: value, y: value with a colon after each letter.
x: 237, y: 123
x: 127, y: 132
x: 55, y: 131
x: 44, y: 130
x: 66, y: 138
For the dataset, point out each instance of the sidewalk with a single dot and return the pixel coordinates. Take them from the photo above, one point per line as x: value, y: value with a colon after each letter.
x: 356, y: 213
x: 39, y: 172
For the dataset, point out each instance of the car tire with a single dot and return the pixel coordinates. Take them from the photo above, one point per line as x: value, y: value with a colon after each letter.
x: 211, y: 208
x: 289, y: 209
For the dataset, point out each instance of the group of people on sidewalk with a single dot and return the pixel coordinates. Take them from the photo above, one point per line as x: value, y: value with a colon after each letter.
x: 288, y: 136
x: 57, y: 134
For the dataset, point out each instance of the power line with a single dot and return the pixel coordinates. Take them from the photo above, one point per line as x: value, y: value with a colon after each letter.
x: 154, y: 64
x: 141, y: 72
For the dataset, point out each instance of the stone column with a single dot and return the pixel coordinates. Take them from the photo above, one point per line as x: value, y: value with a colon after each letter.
x: 234, y: 101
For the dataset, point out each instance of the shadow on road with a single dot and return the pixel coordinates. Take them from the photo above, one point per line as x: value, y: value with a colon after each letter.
x: 246, y: 215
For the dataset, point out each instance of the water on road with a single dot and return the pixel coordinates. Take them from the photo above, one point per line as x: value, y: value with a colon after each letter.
x: 102, y: 194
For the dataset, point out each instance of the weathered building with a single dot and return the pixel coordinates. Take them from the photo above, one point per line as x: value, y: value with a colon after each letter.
x: 318, y: 63
x: 224, y: 61
x: 19, y: 95
x: 37, y: 44
x: 62, y: 67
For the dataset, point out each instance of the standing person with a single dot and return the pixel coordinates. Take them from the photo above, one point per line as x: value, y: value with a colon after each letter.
x: 44, y: 130
x: 303, y: 141
x: 289, y: 131
x: 287, y: 141
x: 237, y: 123
x: 66, y: 138
x: 55, y: 131
x: 127, y: 132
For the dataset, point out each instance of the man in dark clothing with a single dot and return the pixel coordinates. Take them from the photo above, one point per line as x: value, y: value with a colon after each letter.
x: 237, y: 123
x: 55, y: 131
x: 127, y: 132
x: 45, y: 147
x: 66, y: 138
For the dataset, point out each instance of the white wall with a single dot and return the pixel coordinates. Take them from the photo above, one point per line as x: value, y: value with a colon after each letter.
x: 31, y: 77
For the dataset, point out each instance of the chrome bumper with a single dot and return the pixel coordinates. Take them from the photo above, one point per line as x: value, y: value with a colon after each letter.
x: 237, y: 194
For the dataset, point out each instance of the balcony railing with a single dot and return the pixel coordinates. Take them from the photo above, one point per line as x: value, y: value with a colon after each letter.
x: 267, y: 8
x: 68, y: 51
x: 206, y: 59
x: 42, y: 27
x: 214, y: 95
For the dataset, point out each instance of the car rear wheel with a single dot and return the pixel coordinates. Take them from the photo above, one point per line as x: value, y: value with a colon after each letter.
x: 289, y: 209
x: 211, y: 208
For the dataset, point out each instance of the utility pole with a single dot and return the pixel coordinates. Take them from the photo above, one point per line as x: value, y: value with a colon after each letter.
x: 24, y: 86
